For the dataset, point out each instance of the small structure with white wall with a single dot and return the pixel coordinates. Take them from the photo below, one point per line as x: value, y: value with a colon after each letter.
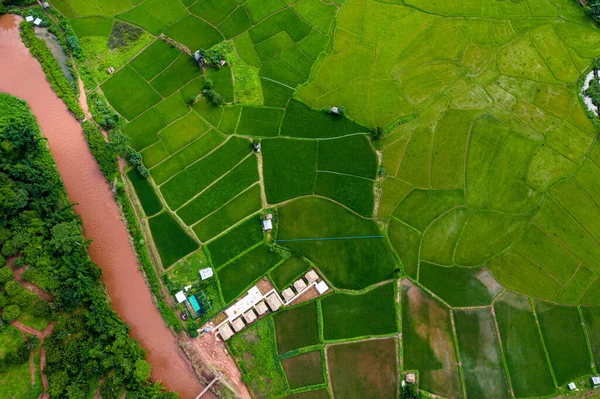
x: 335, y: 110
x: 572, y: 386
x: 206, y: 273
x: 596, y: 382
x: 322, y: 287
x: 29, y: 18
x: 180, y: 297
x: 37, y: 22
x: 46, y: 5
x: 267, y: 225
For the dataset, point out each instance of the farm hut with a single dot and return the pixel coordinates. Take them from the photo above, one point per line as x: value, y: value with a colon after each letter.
x: 274, y: 302
x: 267, y: 225
x: 411, y: 378
x: 225, y: 332
x: 256, y: 147
x: 250, y: 316
x: 311, y: 276
x: 222, y: 63
x: 206, y: 273
x: 335, y: 110
x: 45, y: 4
x: 270, y: 216
x: 287, y: 294
x: 199, y: 58
x: 180, y: 297
x: 110, y: 70
x: 29, y: 18
x: 322, y: 287
x: 299, y: 285
x: 596, y: 382
x: 37, y: 22
x: 238, y: 324
x: 572, y: 386
x: 187, y: 288
x: 261, y: 308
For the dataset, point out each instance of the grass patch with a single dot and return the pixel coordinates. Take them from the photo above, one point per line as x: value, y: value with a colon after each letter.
x: 349, y: 316
x: 236, y: 241
x: 146, y: 194
x: 366, y: 369
x: 297, y: 328
x: 187, y: 271
x: 171, y: 241
x: 236, y: 276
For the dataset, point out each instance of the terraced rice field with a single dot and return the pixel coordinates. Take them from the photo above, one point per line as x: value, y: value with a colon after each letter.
x: 471, y: 226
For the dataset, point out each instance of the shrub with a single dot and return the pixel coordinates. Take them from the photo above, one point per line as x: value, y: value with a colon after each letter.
x: 377, y: 132
x: 74, y: 45
x: 135, y: 158
x: 213, y: 96
x: 123, y: 34
x: 101, y: 149
x: 11, y: 313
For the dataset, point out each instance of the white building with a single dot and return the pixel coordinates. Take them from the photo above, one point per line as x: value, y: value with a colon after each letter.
x: 206, y: 273
x: 267, y: 225
x: 322, y: 287
x: 180, y: 297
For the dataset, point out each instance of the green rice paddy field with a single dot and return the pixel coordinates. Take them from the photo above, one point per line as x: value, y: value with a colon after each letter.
x: 463, y: 243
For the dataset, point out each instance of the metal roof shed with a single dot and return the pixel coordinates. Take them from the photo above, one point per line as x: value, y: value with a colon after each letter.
x: 206, y: 273
x: 267, y: 225
x: 322, y: 287
x: 250, y: 316
x: 311, y: 276
x: 287, y: 294
x: 225, y: 332
x: 299, y: 285
x: 238, y: 324
x: 261, y: 308
x: 274, y: 302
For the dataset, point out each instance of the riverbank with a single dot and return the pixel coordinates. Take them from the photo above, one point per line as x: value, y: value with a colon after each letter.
x: 87, y: 188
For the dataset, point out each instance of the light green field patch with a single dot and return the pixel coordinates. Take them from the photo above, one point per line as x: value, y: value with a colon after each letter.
x: 213, y: 11
x: 421, y: 207
x: 555, y: 53
x: 143, y: 129
x: 155, y: 154
x: 467, y: 94
x: 236, y: 23
x: 154, y: 59
x: 476, y: 58
x: 267, y: 49
x: 393, y: 191
x: 317, y: 13
x: 406, y: 242
x: 92, y: 26
x: 534, y: 117
x: 440, y: 238
x: 229, y: 119
x: 521, y: 59
x: 208, y: 111
x: 129, y: 93
x: 415, y: 166
x: 355, y: 63
x: 425, y: 81
x: 547, y: 167
x: 555, y: 99
x: 259, y: 9
x: 182, y: 132
x: 154, y: 15
x: 569, y: 141
x: 194, y: 33
x: 172, y: 108
x: 245, y: 49
x: 572, y: 293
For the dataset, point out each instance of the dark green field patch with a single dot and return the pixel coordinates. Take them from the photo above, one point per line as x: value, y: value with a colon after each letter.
x: 192, y: 89
x: 350, y: 316
x: 207, y: 110
x: 353, y: 263
x: 280, y: 72
x: 172, y: 108
x: 213, y: 11
x: 479, y: 353
x: 354, y: 192
x: 259, y: 9
x: 406, y: 242
x: 288, y: 272
x: 221, y: 78
x: 260, y: 121
x: 275, y: 94
x: 565, y: 340
x: 235, y: 241
x: 148, y: 198
x: 171, y: 241
x: 366, y: 369
x: 92, y: 26
x: 143, y: 130
x: 525, y: 357
x: 129, y: 93
x: 239, y: 274
x: 235, y: 24
x: 352, y: 155
x: 297, y: 328
x: 301, y: 121
x: 222, y: 191
x: 304, y: 370
x: 180, y: 72
x: 196, y: 150
x: 194, y: 33
x: 182, y: 132
x: 320, y: 394
x: 154, y: 59
x: 459, y: 286
x: 296, y: 59
x: 237, y: 209
x: 577, y: 287
x: 154, y: 154
x: 199, y: 175
x: 428, y: 342
x: 289, y: 168
x: 313, y: 44
x: 286, y: 20
x: 591, y: 316
x: 267, y: 49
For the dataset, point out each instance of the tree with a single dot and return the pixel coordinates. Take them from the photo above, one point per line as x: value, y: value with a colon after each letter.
x: 409, y: 391
x: 65, y: 236
x: 11, y: 313
x: 377, y: 132
x: 142, y: 371
x: 5, y: 274
x: 118, y: 142
x: 12, y: 288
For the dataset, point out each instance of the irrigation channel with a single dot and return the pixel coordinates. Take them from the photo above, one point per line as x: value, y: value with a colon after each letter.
x: 22, y: 76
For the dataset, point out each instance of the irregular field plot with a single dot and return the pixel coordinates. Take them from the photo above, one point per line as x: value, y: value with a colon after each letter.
x: 154, y: 59
x: 143, y: 129
x: 286, y: 273
x: 236, y: 276
x: 171, y: 241
x: 320, y: 394
x: 349, y: 316
x: 354, y: 192
x: 129, y: 93
x: 301, y: 121
x: 304, y: 370
x: 297, y: 328
x: 366, y: 369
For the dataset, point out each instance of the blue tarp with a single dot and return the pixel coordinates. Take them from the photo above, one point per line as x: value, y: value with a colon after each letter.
x: 195, y: 305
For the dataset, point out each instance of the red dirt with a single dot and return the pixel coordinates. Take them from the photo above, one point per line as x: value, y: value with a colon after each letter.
x: 215, y: 353
x: 18, y: 273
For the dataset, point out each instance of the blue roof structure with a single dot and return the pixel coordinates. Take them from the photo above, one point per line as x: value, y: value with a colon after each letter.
x: 194, y: 303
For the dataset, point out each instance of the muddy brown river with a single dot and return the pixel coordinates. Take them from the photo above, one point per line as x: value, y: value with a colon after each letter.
x: 22, y: 76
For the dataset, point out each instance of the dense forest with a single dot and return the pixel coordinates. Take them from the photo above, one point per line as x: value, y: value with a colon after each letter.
x: 90, y: 344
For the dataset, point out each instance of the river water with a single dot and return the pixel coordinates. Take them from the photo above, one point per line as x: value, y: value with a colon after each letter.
x: 22, y: 76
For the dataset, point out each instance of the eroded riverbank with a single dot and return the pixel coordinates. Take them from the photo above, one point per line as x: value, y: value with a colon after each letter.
x: 22, y: 76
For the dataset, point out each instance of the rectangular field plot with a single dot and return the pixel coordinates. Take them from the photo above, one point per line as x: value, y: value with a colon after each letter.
x: 301, y: 121
x: 92, y: 26
x: 358, y: 259
x: 129, y: 93
x: 171, y: 241
x: 201, y: 174
x: 366, y: 369
x: 591, y: 317
x: 143, y: 130
x: 480, y: 354
x: 565, y: 340
x: 297, y: 328
x: 460, y: 286
x: 182, y: 132
x: 522, y: 345
x: 229, y: 119
x: 304, y: 370
x: 154, y: 59
x: 428, y: 342
x: 189, y: 154
x: 354, y: 192
x: 286, y: 273
x: 235, y: 241
x: 259, y: 121
x: 289, y: 168
x: 237, y: 209
x: 236, y: 276
x: 349, y: 316
x: 146, y: 194
x: 222, y: 191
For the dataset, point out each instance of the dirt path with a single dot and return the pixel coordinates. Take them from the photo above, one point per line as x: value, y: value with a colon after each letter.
x: 18, y: 275
x: 215, y: 353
